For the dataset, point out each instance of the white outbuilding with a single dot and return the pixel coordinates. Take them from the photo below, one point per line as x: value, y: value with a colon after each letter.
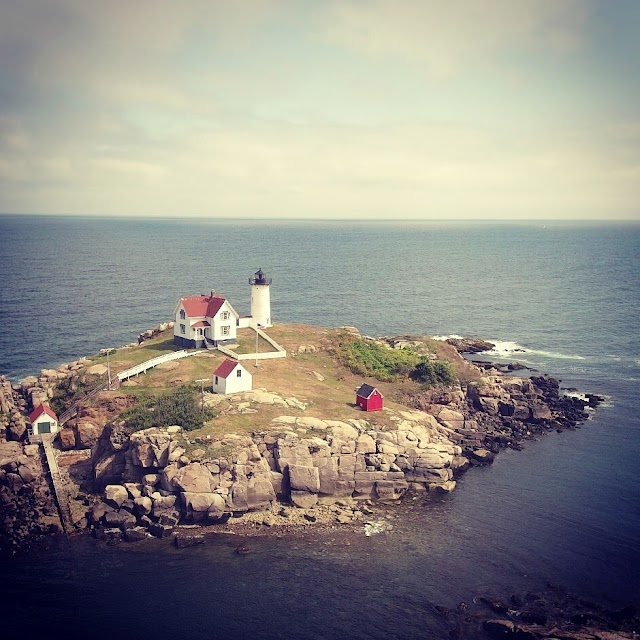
x: 231, y: 377
x: 43, y: 420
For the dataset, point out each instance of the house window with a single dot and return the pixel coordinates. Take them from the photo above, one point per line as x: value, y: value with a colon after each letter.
x: 224, y: 330
x: 239, y: 374
x: 183, y: 315
x: 224, y: 315
x: 182, y: 328
x: 216, y: 380
x: 44, y: 427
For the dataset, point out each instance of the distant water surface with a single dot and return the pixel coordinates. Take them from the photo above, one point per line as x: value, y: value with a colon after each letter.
x: 563, y: 298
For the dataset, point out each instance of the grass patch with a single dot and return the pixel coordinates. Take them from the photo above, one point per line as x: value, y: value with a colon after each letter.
x: 246, y: 340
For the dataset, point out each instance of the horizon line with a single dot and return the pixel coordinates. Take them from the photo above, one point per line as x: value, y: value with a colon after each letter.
x: 311, y: 219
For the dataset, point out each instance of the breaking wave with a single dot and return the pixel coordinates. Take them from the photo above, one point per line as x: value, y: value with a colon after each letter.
x: 505, y: 348
x: 509, y: 349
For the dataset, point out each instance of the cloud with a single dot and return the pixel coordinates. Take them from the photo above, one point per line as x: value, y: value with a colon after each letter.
x: 449, y: 36
x: 409, y: 171
x: 208, y: 108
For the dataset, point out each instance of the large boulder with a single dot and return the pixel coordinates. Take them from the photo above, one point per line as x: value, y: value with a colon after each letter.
x: 143, y: 505
x: 303, y: 499
x: 260, y: 493
x: 210, y: 503
x: 194, y: 478
x: 87, y: 434
x: 470, y: 345
x: 450, y: 418
x: 365, y: 444
x: 109, y: 468
x: 302, y: 478
x: 150, y: 448
x: 115, y: 495
x: 67, y: 438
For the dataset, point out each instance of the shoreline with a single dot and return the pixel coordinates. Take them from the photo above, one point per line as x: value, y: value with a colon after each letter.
x: 302, y: 470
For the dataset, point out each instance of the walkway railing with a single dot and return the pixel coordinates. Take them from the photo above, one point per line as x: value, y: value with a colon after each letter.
x: 154, y: 362
x: 72, y: 411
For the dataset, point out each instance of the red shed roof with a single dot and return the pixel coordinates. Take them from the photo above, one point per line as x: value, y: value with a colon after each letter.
x: 39, y: 410
x: 201, y: 323
x: 225, y: 368
x: 203, y: 306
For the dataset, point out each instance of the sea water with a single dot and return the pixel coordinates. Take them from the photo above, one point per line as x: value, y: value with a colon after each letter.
x: 561, y: 298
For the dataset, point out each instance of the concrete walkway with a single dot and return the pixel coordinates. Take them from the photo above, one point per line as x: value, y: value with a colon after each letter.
x: 61, y: 495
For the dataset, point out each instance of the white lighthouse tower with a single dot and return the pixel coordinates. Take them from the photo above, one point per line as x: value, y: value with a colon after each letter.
x: 260, y: 299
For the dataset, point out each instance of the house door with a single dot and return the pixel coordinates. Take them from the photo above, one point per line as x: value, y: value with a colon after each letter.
x: 44, y: 427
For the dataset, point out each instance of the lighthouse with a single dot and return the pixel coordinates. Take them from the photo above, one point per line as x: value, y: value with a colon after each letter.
x: 260, y: 299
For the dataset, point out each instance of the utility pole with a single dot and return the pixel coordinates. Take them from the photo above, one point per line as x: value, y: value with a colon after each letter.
x: 108, y: 368
x: 202, y: 381
x: 258, y: 326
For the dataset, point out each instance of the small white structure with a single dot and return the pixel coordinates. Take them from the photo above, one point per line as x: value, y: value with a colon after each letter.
x: 231, y: 377
x: 205, y: 319
x: 43, y: 420
x: 260, y: 299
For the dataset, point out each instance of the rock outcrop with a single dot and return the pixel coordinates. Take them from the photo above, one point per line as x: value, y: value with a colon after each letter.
x: 302, y: 461
x: 26, y: 505
x: 470, y: 345
x: 152, y: 333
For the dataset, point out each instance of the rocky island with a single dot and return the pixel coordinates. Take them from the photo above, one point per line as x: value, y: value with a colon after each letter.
x: 293, y: 450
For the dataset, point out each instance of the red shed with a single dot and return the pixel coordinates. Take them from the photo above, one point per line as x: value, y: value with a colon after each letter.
x: 368, y: 398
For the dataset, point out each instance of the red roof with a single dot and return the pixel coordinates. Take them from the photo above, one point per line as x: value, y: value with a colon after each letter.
x: 202, y: 306
x: 225, y: 368
x: 201, y: 323
x: 38, y: 411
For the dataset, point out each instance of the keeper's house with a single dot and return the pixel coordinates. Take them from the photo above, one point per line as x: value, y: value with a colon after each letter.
x: 205, y: 320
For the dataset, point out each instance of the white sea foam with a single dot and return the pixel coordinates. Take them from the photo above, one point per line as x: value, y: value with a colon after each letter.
x: 506, y: 348
x: 607, y: 401
x: 373, y: 528
x: 509, y: 349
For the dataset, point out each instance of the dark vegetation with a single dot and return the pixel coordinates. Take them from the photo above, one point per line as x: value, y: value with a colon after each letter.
x: 180, y: 406
x: 69, y: 391
x: 367, y: 358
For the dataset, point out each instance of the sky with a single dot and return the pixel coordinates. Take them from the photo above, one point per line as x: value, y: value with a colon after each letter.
x: 349, y: 109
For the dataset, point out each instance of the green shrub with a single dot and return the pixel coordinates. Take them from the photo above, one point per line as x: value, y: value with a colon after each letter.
x: 367, y: 358
x: 433, y: 373
x: 181, y: 406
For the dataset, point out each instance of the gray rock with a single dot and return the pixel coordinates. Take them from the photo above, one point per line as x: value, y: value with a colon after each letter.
x: 121, y: 519
x: 135, y: 534
x: 482, y: 456
x: 202, y: 502
x: 303, y: 499
x: 143, y: 505
x: 115, y: 495
x: 304, y: 478
x: 194, y: 478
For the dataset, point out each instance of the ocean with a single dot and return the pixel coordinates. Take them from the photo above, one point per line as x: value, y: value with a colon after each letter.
x: 562, y: 298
